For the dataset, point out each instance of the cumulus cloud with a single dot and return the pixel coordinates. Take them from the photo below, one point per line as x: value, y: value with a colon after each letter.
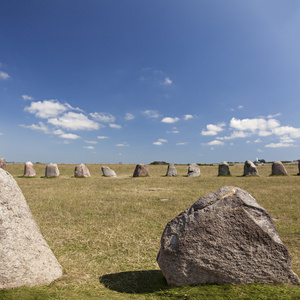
x: 46, y: 109
x: 284, y: 130
x: 167, y: 81
x: 125, y: 144
x: 26, y: 97
x: 74, y: 121
x: 234, y: 135
x: 69, y: 136
x: 103, y: 117
x: 129, y: 117
x: 257, y: 141
x: 213, y: 129
x: 89, y: 147
x: 39, y: 127
x: 159, y: 142
x: 58, y: 132
x: 215, y: 143
x: 102, y: 137
x: 279, y: 145
x: 4, y: 76
x: 169, y: 120
x: 253, y: 125
x: 187, y: 117
x: 151, y: 113
x: 116, y: 126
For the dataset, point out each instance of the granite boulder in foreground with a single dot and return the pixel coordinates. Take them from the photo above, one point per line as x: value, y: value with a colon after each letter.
x: 224, y: 237
x: 25, y: 256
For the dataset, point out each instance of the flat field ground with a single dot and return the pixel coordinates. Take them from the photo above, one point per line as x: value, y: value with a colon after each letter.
x: 106, y: 232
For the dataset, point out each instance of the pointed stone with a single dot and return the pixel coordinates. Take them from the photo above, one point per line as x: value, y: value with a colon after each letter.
x: 224, y: 169
x: 108, y: 172
x: 250, y: 168
x: 171, y: 170
x: 29, y: 170
x: 82, y: 171
x: 140, y: 170
x: 193, y: 170
x: 52, y: 170
x: 278, y: 168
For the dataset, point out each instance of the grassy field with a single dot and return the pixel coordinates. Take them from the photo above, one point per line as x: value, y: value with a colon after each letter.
x: 105, y: 232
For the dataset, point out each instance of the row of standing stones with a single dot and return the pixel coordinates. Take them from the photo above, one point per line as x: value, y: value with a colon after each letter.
x: 224, y: 237
x: 141, y: 170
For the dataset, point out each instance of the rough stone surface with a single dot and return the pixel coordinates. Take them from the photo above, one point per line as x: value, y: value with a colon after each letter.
x: 82, y: 171
x: 193, y: 170
x: 278, y: 168
x: 52, y: 170
x: 224, y: 237
x: 140, y: 170
x: 2, y: 163
x: 25, y: 256
x: 171, y: 170
x: 29, y: 170
x: 108, y: 172
x: 250, y: 168
x: 224, y: 169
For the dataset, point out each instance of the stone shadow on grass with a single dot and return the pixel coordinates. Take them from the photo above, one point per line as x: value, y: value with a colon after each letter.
x: 135, y: 282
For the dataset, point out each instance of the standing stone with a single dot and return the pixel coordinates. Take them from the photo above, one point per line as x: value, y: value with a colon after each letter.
x: 298, y: 167
x: 250, y: 168
x: 278, y: 168
x: 52, y: 170
x: 82, y: 171
x: 2, y: 163
x: 25, y: 256
x: 225, y: 237
x: 108, y: 172
x: 224, y: 169
x: 171, y: 170
x: 140, y: 170
x: 29, y: 170
x: 193, y: 170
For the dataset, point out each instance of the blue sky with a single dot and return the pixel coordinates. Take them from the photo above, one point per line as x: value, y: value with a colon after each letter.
x: 137, y: 81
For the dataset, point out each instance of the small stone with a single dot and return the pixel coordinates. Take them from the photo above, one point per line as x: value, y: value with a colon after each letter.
x: 278, y: 168
x: 250, y: 168
x: 52, y: 170
x: 193, y: 170
x: 82, y: 171
x: 171, y: 170
x: 2, y: 163
x: 29, y: 170
x: 224, y: 169
x: 108, y: 172
x: 140, y: 170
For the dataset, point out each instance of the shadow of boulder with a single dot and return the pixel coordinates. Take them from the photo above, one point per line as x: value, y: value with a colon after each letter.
x: 135, y: 282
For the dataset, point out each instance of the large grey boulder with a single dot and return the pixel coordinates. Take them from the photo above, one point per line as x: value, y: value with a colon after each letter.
x: 193, y: 170
x: 29, y: 170
x: 171, y: 170
x: 82, y: 171
x: 108, y: 172
x: 52, y: 170
x: 140, y: 170
x: 2, y: 163
x: 25, y: 256
x: 224, y: 237
x: 278, y: 168
x: 250, y: 168
x: 224, y: 169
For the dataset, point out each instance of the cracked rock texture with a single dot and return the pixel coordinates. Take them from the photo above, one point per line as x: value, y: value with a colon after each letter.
x: 25, y: 256
x: 224, y: 237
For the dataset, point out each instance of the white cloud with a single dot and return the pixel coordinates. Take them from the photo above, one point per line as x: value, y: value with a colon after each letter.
x: 286, y: 139
x: 40, y: 127
x: 102, y: 137
x: 69, y: 136
x: 264, y: 133
x: 89, y: 147
x: 240, y: 107
x: 116, y: 126
x: 169, y: 120
x: 187, y: 117
x: 273, y: 116
x: 181, y: 144
x: 284, y: 130
x: 259, y: 150
x: 4, y: 75
x: 129, y: 117
x: 74, y: 121
x: 279, y: 145
x: 91, y: 142
x: 125, y: 144
x: 26, y: 97
x: 151, y: 113
x: 253, y: 125
x: 103, y: 117
x: 257, y: 141
x: 167, y: 81
x: 213, y: 129
x: 234, y: 135
x: 46, y: 109
x: 58, y: 132
x: 160, y: 142
x: 215, y: 143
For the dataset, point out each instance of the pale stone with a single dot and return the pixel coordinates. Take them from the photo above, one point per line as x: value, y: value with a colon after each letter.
x: 224, y: 169
x: 193, y: 170
x: 2, y: 163
x: 29, y: 170
x: 225, y: 237
x: 108, y: 172
x: 250, y: 168
x: 52, y: 170
x: 171, y: 170
x: 140, y: 170
x: 82, y: 171
x: 278, y: 168
x: 25, y: 256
